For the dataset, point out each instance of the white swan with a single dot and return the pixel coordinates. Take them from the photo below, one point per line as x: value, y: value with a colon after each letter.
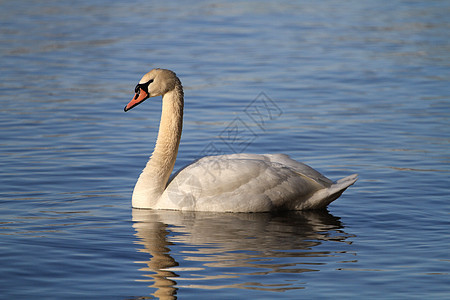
x: 225, y: 183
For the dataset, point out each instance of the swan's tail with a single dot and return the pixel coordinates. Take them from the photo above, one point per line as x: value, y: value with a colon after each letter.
x: 322, y: 198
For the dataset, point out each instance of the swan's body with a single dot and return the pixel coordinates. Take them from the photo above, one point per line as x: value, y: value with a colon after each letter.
x: 226, y: 183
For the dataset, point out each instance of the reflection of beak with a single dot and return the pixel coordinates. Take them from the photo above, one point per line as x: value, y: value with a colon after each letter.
x: 138, y: 99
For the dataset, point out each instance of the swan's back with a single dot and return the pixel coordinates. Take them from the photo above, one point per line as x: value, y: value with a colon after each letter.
x: 250, y: 183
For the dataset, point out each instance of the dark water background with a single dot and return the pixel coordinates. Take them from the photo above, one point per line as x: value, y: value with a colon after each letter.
x: 353, y: 87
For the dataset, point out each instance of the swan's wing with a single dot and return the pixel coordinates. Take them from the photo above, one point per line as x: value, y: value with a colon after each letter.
x: 242, y: 182
x: 300, y: 168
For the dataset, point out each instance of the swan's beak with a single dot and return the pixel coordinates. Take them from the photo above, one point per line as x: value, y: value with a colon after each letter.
x: 137, y: 99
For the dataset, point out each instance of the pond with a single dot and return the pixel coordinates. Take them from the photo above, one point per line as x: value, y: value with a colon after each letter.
x: 353, y: 87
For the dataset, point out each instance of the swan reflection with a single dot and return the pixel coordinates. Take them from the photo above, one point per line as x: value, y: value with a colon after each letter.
x: 219, y: 250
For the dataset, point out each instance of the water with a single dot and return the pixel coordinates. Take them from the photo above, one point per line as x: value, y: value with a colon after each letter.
x: 355, y: 87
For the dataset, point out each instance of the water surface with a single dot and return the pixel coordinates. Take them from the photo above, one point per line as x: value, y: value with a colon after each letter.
x: 355, y: 87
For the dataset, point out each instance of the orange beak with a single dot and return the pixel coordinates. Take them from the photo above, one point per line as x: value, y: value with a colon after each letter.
x: 137, y: 99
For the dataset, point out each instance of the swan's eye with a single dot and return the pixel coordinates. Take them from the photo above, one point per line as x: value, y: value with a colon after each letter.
x: 143, y: 86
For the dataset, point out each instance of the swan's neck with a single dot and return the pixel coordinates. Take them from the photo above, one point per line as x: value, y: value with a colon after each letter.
x: 154, y: 177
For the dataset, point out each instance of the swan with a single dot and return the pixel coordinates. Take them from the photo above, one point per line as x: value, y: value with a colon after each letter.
x: 224, y: 183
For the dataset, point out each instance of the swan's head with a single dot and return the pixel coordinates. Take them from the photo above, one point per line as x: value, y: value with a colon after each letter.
x: 157, y: 82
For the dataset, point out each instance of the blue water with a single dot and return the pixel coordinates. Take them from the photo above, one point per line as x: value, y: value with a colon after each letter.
x: 346, y: 87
